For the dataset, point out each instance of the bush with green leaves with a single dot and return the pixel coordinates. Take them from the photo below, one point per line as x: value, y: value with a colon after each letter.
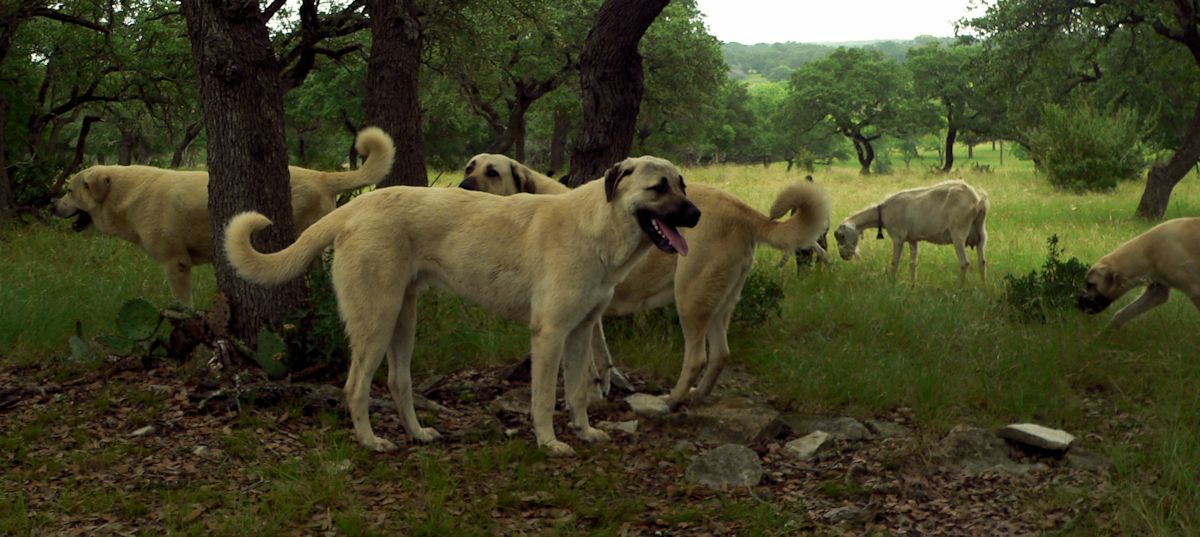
x: 761, y: 296
x: 1035, y: 296
x: 1084, y: 150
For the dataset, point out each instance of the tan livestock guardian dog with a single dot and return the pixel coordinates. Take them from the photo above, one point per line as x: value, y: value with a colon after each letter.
x: 550, y: 261
x: 950, y: 212
x: 165, y: 212
x: 704, y: 285
x: 1165, y: 257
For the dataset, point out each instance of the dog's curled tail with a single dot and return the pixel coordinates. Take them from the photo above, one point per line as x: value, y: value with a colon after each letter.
x: 809, y: 206
x: 281, y: 266
x: 380, y: 151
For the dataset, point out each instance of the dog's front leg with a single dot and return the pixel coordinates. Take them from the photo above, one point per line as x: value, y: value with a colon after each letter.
x: 1155, y: 295
x: 179, y: 279
x: 547, y: 346
x: 581, y: 381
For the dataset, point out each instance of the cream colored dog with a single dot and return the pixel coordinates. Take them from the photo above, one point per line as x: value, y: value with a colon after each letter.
x: 550, y: 261
x: 705, y: 285
x: 165, y: 212
x: 1165, y: 257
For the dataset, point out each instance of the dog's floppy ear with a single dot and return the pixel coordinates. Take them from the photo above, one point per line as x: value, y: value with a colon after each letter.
x: 613, y: 177
x: 521, y: 178
x: 97, y: 187
x: 1113, y: 279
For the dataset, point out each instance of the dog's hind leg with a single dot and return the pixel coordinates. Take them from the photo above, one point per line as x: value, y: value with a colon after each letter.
x: 718, y: 339
x: 1155, y: 295
x: 400, y: 370
x: 369, y: 326
x: 694, y: 321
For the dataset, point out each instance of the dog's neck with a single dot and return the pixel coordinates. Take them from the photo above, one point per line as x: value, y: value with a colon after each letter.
x: 610, y: 225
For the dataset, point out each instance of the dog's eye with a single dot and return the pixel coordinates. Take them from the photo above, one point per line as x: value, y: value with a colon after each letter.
x: 491, y: 172
x: 662, y: 187
x: 470, y: 168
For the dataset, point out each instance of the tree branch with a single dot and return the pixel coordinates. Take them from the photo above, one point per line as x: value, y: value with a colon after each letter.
x: 69, y: 19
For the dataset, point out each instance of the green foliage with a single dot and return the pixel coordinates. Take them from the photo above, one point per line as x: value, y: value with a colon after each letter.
x: 315, y: 335
x: 271, y: 353
x: 1082, y: 150
x: 1035, y: 296
x: 761, y: 298
x: 138, y: 319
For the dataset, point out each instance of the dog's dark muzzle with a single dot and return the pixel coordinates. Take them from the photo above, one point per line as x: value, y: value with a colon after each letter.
x: 1093, y: 303
x: 686, y: 215
x: 468, y: 183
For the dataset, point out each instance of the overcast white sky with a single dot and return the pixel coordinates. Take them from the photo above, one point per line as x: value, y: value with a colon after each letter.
x: 820, y: 21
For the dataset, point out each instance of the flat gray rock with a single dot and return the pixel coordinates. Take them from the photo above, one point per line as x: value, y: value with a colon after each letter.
x: 650, y: 406
x: 514, y: 401
x: 735, y: 420
x: 839, y: 428
x: 627, y: 427
x: 1031, y: 434
x: 806, y: 446
x: 887, y: 429
x: 1088, y: 460
x: 730, y: 465
x: 974, y: 450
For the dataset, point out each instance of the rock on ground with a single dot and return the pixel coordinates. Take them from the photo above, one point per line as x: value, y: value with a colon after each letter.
x: 838, y: 428
x: 730, y: 465
x: 735, y: 420
x: 974, y: 450
x: 650, y: 406
x: 806, y: 446
x: 1031, y: 434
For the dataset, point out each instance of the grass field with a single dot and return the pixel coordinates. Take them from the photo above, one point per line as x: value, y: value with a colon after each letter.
x: 848, y: 340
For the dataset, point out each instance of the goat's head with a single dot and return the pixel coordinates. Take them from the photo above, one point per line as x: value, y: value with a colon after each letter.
x: 847, y: 239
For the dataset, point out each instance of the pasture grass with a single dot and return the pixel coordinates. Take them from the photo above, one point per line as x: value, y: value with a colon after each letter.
x: 849, y: 340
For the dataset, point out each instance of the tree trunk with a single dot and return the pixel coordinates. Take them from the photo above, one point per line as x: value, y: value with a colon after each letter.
x: 7, y: 200
x: 352, y: 153
x: 392, y: 94
x: 948, y: 162
x: 558, y: 141
x: 77, y: 160
x: 1161, y: 179
x: 125, y: 152
x: 610, y: 75
x: 189, y: 135
x: 865, y: 153
x: 247, y: 149
x: 970, y: 151
x: 519, y: 141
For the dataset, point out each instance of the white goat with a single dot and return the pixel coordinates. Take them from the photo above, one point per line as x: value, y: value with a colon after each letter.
x: 951, y: 212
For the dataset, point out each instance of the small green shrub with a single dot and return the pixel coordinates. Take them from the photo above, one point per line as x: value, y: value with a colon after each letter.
x: 761, y: 296
x: 1082, y: 150
x: 314, y: 335
x: 1035, y: 296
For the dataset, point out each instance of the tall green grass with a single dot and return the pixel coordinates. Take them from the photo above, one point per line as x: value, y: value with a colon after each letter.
x: 849, y: 339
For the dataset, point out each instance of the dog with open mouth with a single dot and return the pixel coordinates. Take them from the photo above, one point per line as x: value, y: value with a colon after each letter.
x: 165, y: 212
x: 549, y: 261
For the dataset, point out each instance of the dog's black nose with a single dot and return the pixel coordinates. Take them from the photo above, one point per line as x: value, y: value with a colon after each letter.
x: 468, y: 184
x: 690, y: 216
x: 1093, y: 304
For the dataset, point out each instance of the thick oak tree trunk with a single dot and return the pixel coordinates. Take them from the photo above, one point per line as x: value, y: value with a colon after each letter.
x: 865, y: 153
x: 1161, y: 179
x: 558, y: 141
x: 247, y: 151
x: 393, y: 102
x: 610, y: 75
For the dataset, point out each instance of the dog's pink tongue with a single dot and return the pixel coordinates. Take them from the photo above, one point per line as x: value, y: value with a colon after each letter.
x: 673, y: 237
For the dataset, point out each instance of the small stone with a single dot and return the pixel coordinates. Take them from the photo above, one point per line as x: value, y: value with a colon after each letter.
x: 515, y: 401
x: 339, y: 467
x: 735, y: 420
x: 973, y: 450
x: 887, y: 429
x: 650, y: 406
x: 806, y: 446
x: 200, y: 451
x: 1031, y: 434
x: 1088, y: 460
x: 511, y: 432
x: 730, y: 465
x: 840, y: 428
x: 846, y: 514
x: 627, y: 427
x: 142, y: 431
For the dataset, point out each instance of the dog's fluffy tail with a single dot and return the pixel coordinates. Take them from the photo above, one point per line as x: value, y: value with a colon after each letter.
x: 281, y: 266
x: 380, y: 151
x: 809, y: 206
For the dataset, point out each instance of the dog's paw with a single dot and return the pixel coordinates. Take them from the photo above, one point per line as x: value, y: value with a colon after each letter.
x: 426, y: 434
x: 558, y: 448
x: 378, y: 445
x: 592, y: 434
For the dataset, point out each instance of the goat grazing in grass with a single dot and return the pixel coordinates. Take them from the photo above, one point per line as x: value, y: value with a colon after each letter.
x: 951, y: 212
